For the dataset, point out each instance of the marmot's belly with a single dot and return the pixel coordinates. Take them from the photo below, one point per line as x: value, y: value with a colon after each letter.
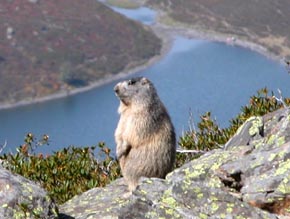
x: 151, y: 163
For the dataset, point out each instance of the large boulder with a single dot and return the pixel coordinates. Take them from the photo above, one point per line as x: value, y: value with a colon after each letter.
x: 21, y: 198
x: 248, y: 178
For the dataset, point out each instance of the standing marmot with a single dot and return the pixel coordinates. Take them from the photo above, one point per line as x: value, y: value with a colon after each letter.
x: 145, y: 136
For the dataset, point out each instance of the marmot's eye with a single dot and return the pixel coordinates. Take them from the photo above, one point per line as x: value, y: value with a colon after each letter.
x: 131, y: 82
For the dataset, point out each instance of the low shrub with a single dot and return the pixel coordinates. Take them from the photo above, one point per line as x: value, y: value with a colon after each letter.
x: 208, y: 135
x: 65, y: 173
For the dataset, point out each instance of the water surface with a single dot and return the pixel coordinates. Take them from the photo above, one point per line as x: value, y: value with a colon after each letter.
x: 142, y: 14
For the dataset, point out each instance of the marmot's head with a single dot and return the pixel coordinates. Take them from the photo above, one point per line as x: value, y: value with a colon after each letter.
x: 135, y: 91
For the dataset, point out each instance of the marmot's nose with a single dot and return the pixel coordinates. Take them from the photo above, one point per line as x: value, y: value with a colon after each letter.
x: 116, y: 89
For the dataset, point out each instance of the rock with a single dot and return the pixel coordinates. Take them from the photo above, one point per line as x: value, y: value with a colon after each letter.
x: 21, y: 198
x: 253, y: 127
x: 9, y: 33
x: 250, y: 178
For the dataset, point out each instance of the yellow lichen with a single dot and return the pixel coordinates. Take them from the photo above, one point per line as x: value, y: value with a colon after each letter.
x: 283, y: 168
x: 149, y: 181
x: 214, y: 182
x: 197, y: 171
x: 257, y: 123
x: 230, y: 207
x: 281, y: 140
x: 169, y: 211
x: 200, y: 195
x: 203, y: 216
x: 168, y: 200
x: 284, y: 187
x: 214, y: 206
x: 271, y: 139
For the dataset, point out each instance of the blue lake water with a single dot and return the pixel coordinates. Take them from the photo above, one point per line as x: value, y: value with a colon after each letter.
x: 196, y: 76
x: 142, y: 14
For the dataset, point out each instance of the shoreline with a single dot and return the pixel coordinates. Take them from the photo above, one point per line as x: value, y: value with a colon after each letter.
x: 106, y: 80
x: 167, y: 34
x: 197, y: 33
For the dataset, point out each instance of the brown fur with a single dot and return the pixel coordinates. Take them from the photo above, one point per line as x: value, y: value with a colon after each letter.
x: 144, y: 136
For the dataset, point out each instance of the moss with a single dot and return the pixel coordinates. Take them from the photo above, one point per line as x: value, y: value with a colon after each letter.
x: 37, y: 211
x: 203, y: 216
x: 169, y: 211
x: 169, y: 204
x: 143, y: 192
x: 214, y: 207
x: 283, y: 168
x: 222, y: 215
x: 257, y: 162
x: 271, y: 139
x: 258, y: 143
x: 151, y: 214
x: 281, y: 140
x: 195, y: 172
x: 216, y: 165
x: 149, y: 181
x: 200, y: 195
x: 257, y: 123
x: 271, y: 157
x: 274, y: 139
x: 213, y: 197
x: 169, y: 201
x: 214, y: 182
x: 230, y: 208
x: 284, y: 186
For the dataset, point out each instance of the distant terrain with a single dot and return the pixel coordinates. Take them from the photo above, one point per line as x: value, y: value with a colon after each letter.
x: 52, y: 46
x: 264, y: 22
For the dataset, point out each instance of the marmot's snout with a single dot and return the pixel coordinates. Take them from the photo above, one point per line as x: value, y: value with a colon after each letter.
x: 117, y: 89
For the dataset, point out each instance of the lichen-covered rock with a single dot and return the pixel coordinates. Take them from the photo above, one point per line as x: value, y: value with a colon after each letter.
x: 21, y: 198
x: 249, y: 178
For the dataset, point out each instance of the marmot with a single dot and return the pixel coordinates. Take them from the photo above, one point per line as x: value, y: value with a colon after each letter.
x: 145, y: 136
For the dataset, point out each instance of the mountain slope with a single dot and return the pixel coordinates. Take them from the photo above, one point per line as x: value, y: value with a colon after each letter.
x: 47, y: 45
x: 263, y: 22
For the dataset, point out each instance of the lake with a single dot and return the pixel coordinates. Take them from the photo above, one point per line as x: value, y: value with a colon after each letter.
x: 195, y: 76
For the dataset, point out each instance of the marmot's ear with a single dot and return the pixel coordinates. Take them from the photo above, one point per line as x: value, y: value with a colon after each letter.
x: 144, y: 81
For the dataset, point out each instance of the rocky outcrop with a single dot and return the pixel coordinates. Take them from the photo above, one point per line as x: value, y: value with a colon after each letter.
x: 249, y: 178
x: 21, y: 198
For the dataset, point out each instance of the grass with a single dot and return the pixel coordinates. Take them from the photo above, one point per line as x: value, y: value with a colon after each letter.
x: 129, y: 4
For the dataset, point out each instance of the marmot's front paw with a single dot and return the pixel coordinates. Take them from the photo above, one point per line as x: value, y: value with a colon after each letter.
x: 124, y: 152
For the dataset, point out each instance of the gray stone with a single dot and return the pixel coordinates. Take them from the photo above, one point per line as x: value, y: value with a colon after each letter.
x: 248, y: 179
x: 21, y: 198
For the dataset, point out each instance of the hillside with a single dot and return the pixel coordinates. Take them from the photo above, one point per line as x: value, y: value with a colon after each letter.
x: 52, y: 46
x: 263, y: 22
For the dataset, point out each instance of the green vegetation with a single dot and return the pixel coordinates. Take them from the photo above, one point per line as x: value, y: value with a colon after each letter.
x: 130, y: 4
x: 65, y: 173
x: 72, y: 170
x: 209, y: 135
